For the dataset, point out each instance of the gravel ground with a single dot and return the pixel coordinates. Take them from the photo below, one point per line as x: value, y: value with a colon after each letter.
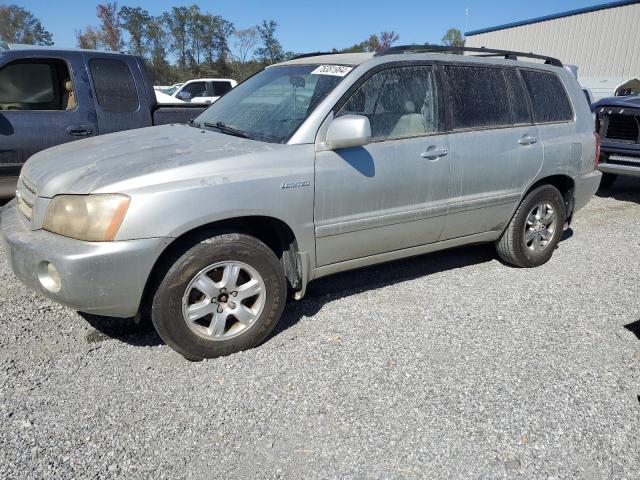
x: 449, y: 365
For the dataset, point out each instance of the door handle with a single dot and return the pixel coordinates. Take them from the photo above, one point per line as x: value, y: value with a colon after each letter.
x: 528, y: 140
x: 434, y: 153
x: 79, y: 131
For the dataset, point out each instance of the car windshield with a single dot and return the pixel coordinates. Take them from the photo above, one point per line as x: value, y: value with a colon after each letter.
x: 271, y: 105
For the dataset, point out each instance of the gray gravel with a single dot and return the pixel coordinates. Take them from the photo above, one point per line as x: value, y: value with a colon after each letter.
x: 450, y: 365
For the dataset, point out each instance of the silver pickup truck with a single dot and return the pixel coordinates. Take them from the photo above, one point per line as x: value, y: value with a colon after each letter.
x: 314, y: 166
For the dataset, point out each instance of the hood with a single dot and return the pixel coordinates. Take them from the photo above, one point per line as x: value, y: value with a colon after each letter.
x: 85, y: 166
x: 632, y: 101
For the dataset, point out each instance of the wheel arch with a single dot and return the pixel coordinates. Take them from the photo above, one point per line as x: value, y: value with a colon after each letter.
x: 273, y: 232
x: 564, y: 183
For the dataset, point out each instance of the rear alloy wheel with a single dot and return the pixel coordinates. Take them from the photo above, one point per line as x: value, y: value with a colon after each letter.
x: 535, y: 229
x: 223, y: 295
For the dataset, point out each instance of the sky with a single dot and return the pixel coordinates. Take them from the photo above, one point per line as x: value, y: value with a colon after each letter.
x: 320, y: 25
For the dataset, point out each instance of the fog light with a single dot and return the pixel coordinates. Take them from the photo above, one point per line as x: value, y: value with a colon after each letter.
x: 49, y: 277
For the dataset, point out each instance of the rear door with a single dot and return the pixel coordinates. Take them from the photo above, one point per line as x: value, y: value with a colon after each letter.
x: 44, y: 101
x: 120, y: 99
x: 391, y: 194
x: 495, y: 147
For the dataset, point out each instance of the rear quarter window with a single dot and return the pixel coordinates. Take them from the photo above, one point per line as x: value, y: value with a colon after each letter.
x: 114, y: 85
x: 548, y: 97
x: 479, y: 97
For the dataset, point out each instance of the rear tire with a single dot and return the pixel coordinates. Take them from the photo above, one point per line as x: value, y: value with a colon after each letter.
x: 535, y: 229
x: 608, y: 179
x: 214, y: 282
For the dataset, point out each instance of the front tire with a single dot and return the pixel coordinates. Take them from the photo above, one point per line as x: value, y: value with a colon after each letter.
x: 223, y: 295
x: 535, y: 229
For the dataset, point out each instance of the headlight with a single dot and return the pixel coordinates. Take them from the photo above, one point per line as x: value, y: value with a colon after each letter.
x: 94, y: 218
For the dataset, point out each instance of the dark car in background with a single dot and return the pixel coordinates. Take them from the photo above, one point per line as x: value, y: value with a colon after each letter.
x: 618, y: 123
x: 50, y: 96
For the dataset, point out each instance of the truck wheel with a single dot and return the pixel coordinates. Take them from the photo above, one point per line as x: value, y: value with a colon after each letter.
x: 535, y: 229
x: 223, y: 295
x: 608, y: 179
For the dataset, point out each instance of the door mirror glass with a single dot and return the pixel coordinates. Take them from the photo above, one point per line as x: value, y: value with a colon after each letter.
x: 349, y: 131
x: 184, y: 95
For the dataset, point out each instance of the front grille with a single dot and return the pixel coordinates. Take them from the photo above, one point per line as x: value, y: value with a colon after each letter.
x: 624, y: 128
x: 26, y: 197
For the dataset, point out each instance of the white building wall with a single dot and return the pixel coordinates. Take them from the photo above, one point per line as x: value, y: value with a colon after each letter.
x: 603, y: 43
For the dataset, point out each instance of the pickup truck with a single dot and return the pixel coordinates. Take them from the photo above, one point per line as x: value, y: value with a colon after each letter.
x: 50, y: 96
x: 618, y: 123
x: 203, y: 90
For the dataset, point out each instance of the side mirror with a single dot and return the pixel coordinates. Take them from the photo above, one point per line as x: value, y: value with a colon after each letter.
x: 349, y: 131
x: 184, y: 95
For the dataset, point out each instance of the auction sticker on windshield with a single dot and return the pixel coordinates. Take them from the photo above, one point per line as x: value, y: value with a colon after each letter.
x: 335, y: 70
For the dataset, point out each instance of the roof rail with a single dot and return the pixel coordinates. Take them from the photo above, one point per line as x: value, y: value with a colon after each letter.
x: 485, y: 52
x: 312, y: 54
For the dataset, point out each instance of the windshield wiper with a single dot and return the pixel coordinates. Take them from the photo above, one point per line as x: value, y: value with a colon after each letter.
x: 225, y: 129
x: 193, y: 123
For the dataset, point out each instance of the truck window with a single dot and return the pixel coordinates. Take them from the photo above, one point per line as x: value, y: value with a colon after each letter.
x: 36, y: 84
x: 114, y: 85
x: 193, y: 90
x: 399, y: 102
x: 220, y: 88
x: 479, y: 97
x: 548, y: 97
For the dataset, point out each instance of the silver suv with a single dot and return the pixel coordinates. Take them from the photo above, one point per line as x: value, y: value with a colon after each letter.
x: 317, y: 165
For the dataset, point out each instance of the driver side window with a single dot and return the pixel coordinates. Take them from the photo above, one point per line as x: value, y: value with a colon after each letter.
x: 36, y: 84
x: 198, y: 89
x: 399, y: 102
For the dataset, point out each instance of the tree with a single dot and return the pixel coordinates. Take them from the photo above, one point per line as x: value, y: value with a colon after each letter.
x: 89, y: 38
x: 271, y: 50
x: 18, y: 25
x: 136, y: 21
x: 453, y: 38
x: 110, y: 26
x: 387, y: 39
x: 177, y: 23
x: 374, y: 43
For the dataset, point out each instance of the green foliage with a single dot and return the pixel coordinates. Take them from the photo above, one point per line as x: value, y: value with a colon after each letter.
x: 271, y: 50
x: 18, y: 25
x: 453, y: 38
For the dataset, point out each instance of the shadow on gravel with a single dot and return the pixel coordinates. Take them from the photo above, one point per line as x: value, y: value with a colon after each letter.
x: 327, y: 289
x: 350, y: 283
x: 319, y: 292
x: 626, y: 189
x: 634, y: 328
x: 123, y: 329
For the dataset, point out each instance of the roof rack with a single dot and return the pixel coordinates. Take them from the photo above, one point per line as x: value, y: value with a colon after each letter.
x: 312, y: 54
x: 486, y: 52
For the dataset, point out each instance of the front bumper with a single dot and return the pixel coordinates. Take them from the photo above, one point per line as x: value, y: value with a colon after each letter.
x: 99, y: 278
x: 586, y: 186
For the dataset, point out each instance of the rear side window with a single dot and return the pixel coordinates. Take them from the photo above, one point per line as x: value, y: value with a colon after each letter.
x: 220, y: 88
x: 114, y: 84
x: 548, y: 97
x: 519, y: 104
x: 479, y: 97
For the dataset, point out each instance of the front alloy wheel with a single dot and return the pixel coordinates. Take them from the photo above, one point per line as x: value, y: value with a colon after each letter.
x: 223, y: 294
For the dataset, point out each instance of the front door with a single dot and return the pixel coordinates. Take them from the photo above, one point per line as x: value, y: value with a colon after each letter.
x: 392, y: 193
x: 43, y: 103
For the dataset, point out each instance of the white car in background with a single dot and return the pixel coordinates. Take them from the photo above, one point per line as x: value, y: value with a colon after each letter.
x: 202, y: 90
